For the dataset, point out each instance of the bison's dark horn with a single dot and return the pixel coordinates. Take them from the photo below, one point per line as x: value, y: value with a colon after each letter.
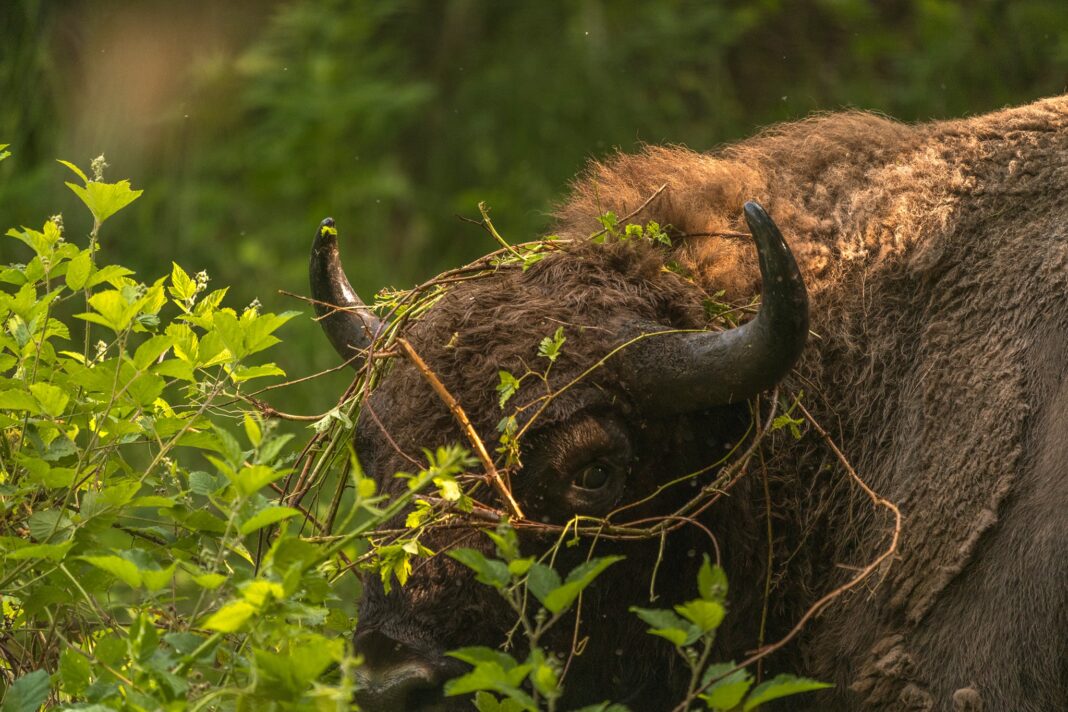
x: 684, y: 372
x: 347, y: 321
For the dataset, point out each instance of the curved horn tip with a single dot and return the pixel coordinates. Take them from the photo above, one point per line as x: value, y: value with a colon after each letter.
x: 326, y: 227
x: 755, y: 212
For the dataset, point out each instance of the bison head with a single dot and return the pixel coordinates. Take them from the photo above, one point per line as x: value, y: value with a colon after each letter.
x: 640, y: 395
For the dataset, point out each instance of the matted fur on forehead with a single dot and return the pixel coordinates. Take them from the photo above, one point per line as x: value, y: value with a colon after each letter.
x: 596, y: 292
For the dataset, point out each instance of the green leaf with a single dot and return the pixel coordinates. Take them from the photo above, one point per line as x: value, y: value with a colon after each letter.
x: 230, y: 617
x: 507, y: 387
x: 77, y: 171
x: 726, y: 693
x: 252, y: 430
x: 156, y: 579
x: 53, y: 399
x: 247, y: 373
x: 781, y: 686
x: 28, y: 693
x: 265, y: 517
x: 712, y: 582
x: 51, y: 552
x: 146, y: 389
x: 78, y: 270
x: 18, y: 400
x: 488, y: 571
x: 543, y: 674
x: 788, y: 421
x: 476, y: 654
x: 550, y: 346
x: 518, y: 567
x: 561, y: 598
x: 148, y: 352
x: 44, y: 522
x: 120, y: 568
x: 203, y: 483
x: 485, y: 702
x: 203, y: 521
x: 183, y: 287
x: 209, y: 581
x: 113, y: 311
x: 667, y: 625
x: 112, y: 274
x: 506, y: 541
x: 491, y: 676
x: 52, y: 477
x: 541, y: 580
x: 105, y: 199
x: 174, y: 368
x: 706, y: 615
x: 255, y: 477
x: 73, y: 672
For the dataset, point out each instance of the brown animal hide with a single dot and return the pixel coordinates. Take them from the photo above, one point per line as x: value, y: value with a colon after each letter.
x: 937, y: 260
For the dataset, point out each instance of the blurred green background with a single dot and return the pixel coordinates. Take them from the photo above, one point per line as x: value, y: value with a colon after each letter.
x: 248, y: 122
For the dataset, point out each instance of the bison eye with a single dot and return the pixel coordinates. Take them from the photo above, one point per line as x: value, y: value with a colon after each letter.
x: 579, y: 466
x: 594, y: 476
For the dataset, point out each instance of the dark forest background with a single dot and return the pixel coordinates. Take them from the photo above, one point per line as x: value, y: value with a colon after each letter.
x: 248, y: 122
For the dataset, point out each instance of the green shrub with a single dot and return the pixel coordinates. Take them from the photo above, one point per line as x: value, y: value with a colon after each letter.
x: 136, y: 494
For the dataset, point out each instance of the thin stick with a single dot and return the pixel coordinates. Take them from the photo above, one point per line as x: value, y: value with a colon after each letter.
x: 493, y: 231
x: 465, y: 424
x: 270, y: 411
x: 715, y: 233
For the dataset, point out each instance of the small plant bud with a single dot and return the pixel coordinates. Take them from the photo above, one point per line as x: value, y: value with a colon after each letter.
x: 97, y: 167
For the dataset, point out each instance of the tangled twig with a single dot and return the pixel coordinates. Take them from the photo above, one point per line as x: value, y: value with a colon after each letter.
x: 816, y: 608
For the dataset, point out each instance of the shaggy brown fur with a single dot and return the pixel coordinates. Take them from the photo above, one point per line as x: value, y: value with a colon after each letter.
x: 937, y: 262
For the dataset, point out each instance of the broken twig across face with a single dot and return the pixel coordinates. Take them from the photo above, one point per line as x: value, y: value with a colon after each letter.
x: 465, y: 424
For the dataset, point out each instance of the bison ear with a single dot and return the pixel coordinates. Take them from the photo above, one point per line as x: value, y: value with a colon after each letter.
x: 348, y: 322
x: 683, y: 372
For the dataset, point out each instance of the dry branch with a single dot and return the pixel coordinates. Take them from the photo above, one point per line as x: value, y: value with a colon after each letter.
x: 465, y: 424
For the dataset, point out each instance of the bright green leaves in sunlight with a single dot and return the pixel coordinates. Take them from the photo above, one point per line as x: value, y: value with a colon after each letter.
x: 139, y: 530
x: 118, y: 309
x: 102, y: 199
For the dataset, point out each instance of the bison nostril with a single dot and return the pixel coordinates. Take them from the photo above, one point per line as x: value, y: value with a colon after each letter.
x: 396, y: 678
x: 410, y: 687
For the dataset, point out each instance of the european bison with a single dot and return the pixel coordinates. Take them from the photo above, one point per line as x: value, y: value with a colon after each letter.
x: 936, y: 263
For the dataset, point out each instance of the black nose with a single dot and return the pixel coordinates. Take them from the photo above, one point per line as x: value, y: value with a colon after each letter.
x: 395, y: 677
